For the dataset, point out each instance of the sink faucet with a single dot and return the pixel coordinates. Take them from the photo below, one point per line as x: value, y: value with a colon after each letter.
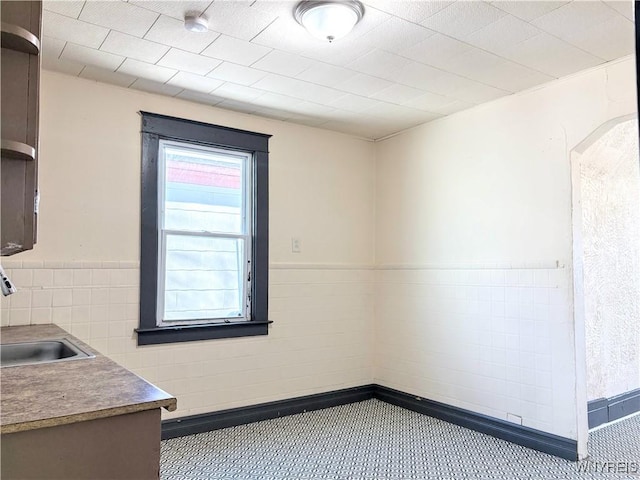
x: 5, y: 284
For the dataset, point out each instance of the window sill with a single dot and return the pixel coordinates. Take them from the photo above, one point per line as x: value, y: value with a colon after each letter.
x: 192, y: 333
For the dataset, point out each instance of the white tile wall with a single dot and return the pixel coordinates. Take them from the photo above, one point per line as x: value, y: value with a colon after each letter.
x: 230, y: 72
x: 170, y: 31
x: 321, y: 338
x: 236, y: 51
x: 194, y: 82
x: 69, y: 29
x: 157, y: 87
x: 189, y: 62
x: 96, y: 58
x: 156, y: 73
x: 133, y: 47
x: 482, y: 339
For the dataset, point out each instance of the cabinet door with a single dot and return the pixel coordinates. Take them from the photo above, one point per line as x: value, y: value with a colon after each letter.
x: 20, y: 78
x: 18, y: 192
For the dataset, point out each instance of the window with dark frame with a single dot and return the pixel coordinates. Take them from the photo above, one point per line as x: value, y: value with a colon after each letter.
x: 204, y: 231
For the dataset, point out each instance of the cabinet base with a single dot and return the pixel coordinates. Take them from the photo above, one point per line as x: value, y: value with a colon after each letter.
x: 121, y: 447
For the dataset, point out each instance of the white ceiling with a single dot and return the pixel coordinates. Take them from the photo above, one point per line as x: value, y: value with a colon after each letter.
x: 405, y: 63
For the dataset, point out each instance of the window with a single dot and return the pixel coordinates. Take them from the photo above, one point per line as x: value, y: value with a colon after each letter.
x: 204, y: 231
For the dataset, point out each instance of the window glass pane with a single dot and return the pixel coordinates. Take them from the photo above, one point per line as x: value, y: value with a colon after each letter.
x: 203, y: 190
x: 204, y: 278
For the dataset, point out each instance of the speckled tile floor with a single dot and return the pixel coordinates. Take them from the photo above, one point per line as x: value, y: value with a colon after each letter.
x: 373, y: 440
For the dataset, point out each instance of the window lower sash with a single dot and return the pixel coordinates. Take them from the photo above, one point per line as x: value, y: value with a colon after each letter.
x: 243, y: 280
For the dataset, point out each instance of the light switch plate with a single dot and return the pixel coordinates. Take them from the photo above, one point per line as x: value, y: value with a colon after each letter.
x: 296, y: 245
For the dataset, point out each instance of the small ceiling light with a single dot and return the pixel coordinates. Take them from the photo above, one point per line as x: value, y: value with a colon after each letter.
x: 195, y: 23
x: 327, y: 19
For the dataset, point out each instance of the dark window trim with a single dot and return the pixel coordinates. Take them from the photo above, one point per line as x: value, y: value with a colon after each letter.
x: 154, y: 128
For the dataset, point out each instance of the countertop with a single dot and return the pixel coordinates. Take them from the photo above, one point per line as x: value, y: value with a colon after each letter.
x: 59, y: 393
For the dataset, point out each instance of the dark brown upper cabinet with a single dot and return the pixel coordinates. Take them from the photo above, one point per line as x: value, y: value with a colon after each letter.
x: 21, y: 33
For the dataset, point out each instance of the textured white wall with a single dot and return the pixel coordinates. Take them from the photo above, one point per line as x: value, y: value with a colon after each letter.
x: 610, y: 206
x: 474, y: 244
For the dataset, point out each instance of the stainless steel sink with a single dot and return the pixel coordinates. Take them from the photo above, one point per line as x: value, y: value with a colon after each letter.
x: 43, y: 351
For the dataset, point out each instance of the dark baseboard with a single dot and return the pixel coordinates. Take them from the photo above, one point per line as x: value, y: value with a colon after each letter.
x: 605, y: 410
x: 598, y: 412
x: 528, y: 437
x: 525, y: 436
x: 265, y: 411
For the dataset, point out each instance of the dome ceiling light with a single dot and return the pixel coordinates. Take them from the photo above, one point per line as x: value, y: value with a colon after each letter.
x: 195, y: 23
x: 328, y: 20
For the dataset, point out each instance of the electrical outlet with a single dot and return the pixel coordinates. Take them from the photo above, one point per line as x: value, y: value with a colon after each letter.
x: 514, y: 418
x: 296, y: 245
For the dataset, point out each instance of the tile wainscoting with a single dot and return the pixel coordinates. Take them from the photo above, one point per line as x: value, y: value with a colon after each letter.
x: 494, y: 340
x: 321, y: 338
x: 491, y: 340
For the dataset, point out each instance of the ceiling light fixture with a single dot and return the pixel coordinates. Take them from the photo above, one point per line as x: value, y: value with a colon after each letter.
x: 195, y: 23
x: 327, y: 19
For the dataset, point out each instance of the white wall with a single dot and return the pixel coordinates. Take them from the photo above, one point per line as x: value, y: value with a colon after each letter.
x: 90, y: 177
x: 83, y: 273
x: 472, y: 235
x: 474, y: 248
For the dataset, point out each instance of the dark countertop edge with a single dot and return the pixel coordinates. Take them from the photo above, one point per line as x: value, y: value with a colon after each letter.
x: 170, y: 404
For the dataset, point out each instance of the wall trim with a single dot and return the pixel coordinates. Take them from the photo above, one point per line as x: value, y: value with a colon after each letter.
x: 527, y: 437
x: 68, y: 264
x: 518, y: 434
x: 542, y: 265
x: 548, y: 265
x: 605, y: 410
x: 320, y: 266
x: 264, y: 411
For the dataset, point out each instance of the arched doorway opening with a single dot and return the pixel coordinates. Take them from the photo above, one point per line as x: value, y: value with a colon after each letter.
x: 606, y: 270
